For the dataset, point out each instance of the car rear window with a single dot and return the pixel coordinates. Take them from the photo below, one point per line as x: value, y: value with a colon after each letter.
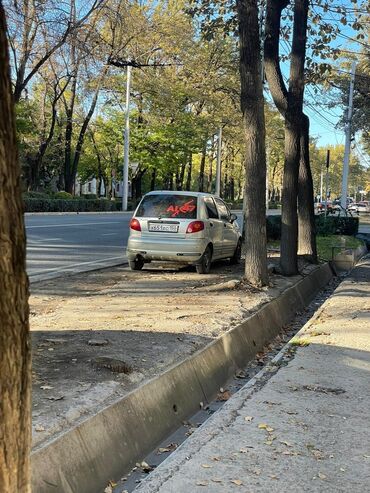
x: 168, y: 206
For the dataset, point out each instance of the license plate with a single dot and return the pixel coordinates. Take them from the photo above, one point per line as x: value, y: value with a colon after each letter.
x: 164, y: 228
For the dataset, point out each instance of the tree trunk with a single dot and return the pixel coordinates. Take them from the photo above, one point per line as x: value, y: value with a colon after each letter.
x: 306, y: 211
x: 188, y: 178
x: 152, y: 179
x: 202, y: 168
x: 15, y: 361
x: 252, y: 105
x: 289, y: 218
x: 68, y: 138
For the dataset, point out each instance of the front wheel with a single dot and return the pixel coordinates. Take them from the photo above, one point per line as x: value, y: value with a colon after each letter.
x: 205, y: 264
x: 235, y: 259
x: 136, y: 264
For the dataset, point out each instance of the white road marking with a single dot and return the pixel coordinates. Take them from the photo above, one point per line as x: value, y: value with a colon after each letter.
x: 72, y: 224
x: 109, y: 234
x: 66, y: 267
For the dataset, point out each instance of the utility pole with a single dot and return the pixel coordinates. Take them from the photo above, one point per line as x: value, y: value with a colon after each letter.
x: 327, y: 180
x: 126, y: 149
x: 218, y: 166
x: 321, y: 182
x: 347, y: 149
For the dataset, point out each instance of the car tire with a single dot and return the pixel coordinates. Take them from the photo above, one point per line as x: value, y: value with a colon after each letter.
x: 205, y: 264
x: 136, y: 264
x: 236, y: 258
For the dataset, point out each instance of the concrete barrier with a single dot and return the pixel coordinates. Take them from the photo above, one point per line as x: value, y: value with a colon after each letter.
x: 85, y: 458
x: 346, y: 260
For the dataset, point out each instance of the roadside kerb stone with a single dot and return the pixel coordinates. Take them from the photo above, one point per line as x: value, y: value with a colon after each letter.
x: 114, y: 439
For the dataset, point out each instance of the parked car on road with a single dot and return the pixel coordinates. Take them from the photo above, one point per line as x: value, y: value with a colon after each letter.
x: 188, y: 228
x: 363, y: 206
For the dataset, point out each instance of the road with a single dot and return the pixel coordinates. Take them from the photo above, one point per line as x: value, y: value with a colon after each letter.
x: 74, y: 242
x: 62, y: 243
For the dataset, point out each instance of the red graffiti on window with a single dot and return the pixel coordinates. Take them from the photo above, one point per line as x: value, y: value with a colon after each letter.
x: 186, y: 208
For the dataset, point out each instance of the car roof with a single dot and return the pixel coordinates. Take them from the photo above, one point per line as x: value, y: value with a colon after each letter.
x: 174, y: 192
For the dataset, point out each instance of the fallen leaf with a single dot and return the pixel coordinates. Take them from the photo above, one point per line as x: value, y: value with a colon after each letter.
x: 217, y: 458
x: 202, y: 483
x: 46, y: 387
x: 262, y: 426
x: 248, y: 419
x: 39, y: 428
x: 269, y: 429
x: 240, y: 374
x: 286, y: 443
x: 237, y: 482
x: 216, y: 480
x: 342, y: 469
x: 206, y: 466
x: 257, y: 471
x: 321, y: 475
x: 223, y: 396
x: 108, y: 489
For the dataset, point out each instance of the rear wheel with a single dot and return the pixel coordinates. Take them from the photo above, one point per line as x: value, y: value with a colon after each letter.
x: 136, y: 264
x: 235, y: 259
x: 205, y: 264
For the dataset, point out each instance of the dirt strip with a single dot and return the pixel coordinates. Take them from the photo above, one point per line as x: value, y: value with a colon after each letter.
x: 97, y: 336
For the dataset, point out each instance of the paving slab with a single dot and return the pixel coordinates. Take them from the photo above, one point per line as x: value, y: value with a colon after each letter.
x: 301, y: 424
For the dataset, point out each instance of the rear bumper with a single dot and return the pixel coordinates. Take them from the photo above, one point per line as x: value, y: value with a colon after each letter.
x: 185, y: 251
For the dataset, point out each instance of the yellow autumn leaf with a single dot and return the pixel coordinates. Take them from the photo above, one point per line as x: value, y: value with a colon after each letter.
x: 237, y: 482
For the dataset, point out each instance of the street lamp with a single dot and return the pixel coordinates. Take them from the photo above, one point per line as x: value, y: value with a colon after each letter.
x: 117, y: 62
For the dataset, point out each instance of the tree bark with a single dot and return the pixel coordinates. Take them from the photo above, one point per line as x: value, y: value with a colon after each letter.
x: 252, y: 106
x: 190, y: 167
x: 15, y: 361
x: 290, y: 104
x: 306, y: 211
x: 202, y: 168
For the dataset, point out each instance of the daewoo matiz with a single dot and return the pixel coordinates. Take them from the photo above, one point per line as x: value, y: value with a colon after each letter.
x: 188, y: 228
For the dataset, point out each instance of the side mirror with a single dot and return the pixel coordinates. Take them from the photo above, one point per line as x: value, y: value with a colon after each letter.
x: 233, y: 218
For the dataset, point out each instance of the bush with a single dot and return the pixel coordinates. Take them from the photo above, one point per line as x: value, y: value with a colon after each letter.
x: 36, y: 195
x: 63, y: 195
x: 336, y: 225
x: 70, y: 205
x: 273, y: 227
x: 331, y: 225
x: 90, y: 196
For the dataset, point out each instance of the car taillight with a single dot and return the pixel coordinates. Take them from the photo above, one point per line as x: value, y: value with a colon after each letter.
x: 135, y: 224
x: 195, y: 227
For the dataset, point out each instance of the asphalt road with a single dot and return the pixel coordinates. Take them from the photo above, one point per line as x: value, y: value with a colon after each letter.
x: 70, y: 243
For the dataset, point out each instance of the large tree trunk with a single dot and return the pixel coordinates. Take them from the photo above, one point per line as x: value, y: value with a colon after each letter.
x: 252, y: 105
x: 289, y: 218
x: 290, y: 105
x: 306, y: 212
x: 15, y: 362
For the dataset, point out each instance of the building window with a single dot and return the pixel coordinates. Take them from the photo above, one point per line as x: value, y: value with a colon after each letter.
x: 89, y: 187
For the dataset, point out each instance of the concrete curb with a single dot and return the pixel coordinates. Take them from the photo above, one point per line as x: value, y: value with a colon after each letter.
x: 348, y: 259
x: 102, y: 447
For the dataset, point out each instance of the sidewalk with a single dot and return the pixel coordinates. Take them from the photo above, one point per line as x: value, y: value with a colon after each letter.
x: 302, y: 425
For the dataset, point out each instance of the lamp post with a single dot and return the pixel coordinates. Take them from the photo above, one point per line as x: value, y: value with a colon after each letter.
x: 126, y: 149
x: 117, y: 62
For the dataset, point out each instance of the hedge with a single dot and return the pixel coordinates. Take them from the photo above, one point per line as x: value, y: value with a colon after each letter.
x: 324, y: 226
x: 69, y: 205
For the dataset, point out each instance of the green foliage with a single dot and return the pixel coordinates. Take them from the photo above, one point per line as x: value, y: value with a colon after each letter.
x: 90, y: 196
x: 334, y: 225
x: 331, y: 225
x: 74, y: 205
x: 35, y: 195
x: 325, y: 244
x: 63, y: 195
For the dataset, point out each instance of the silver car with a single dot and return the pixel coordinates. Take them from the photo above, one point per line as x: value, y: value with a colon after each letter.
x: 188, y: 228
